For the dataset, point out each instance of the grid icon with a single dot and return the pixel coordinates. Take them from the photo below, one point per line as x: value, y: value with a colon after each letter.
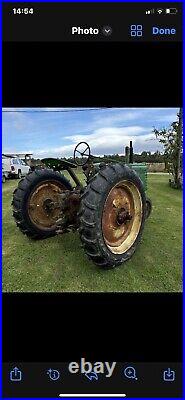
x: 136, y: 30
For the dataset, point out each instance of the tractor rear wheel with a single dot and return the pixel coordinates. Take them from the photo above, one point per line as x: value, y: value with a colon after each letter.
x: 148, y: 208
x: 112, y: 215
x: 36, y: 206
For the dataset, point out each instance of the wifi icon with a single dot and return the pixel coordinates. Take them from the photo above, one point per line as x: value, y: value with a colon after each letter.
x: 159, y: 11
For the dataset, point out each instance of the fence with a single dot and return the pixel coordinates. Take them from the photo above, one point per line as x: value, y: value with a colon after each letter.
x: 156, y: 167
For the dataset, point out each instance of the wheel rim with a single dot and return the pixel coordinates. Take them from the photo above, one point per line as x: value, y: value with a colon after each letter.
x: 44, y: 205
x: 122, y: 216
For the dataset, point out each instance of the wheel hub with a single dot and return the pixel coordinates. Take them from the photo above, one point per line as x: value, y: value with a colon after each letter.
x: 123, y: 216
x: 48, y: 205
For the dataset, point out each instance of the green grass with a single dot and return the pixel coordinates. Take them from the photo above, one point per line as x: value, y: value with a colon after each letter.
x: 59, y: 264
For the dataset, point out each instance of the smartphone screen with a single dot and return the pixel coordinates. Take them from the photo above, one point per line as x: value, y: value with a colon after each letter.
x: 92, y: 124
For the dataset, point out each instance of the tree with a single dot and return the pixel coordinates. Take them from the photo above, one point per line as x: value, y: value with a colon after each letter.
x: 172, y: 141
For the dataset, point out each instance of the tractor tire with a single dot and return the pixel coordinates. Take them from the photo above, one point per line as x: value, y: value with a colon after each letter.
x: 32, y: 202
x: 148, y: 208
x: 112, y: 215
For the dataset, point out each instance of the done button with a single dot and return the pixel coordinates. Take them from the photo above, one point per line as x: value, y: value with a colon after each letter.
x: 163, y: 31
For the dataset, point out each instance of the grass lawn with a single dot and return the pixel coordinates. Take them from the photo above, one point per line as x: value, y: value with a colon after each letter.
x: 59, y: 264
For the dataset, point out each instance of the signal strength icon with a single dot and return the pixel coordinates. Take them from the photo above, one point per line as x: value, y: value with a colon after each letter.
x: 150, y: 11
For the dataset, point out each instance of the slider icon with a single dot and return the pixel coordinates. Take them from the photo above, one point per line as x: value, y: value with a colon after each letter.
x: 95, y: 395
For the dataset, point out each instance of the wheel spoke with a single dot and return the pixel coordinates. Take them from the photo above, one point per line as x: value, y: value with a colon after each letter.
x: 83, y: 153
x: 77, y: 151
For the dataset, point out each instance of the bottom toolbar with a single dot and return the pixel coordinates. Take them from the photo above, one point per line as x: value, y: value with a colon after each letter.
x: 84, y: 378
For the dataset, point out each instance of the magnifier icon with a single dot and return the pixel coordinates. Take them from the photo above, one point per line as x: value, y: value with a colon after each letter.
x: 130, y: 373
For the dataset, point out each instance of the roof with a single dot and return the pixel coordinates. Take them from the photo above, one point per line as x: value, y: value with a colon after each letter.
x: 14, y: 155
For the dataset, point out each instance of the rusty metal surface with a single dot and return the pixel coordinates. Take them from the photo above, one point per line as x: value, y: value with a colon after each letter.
x: 44, y: 204
x: 118, y: 216
x: 121, y: 217
x: 70, y: 203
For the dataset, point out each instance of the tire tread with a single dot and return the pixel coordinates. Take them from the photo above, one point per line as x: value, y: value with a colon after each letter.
x: 89, y: 215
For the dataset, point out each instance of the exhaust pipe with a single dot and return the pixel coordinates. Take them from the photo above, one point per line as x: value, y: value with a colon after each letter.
x: 131, y: 154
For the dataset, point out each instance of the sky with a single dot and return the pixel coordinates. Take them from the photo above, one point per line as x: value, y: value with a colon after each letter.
x: 47, y: 132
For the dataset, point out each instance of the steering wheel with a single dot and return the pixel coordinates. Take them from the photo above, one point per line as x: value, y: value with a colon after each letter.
x: 83, y: 149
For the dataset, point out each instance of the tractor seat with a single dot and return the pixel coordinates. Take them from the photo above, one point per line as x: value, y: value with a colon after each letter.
x: 58, y: 165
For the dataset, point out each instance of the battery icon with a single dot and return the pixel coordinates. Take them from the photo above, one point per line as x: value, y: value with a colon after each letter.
x: 171, y: 10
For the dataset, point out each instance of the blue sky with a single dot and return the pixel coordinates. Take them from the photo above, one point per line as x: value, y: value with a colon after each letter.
x: 107, y: 131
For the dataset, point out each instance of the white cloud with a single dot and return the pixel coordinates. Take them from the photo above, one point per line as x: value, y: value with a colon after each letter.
x: 108, y: 137
x: 105, y: 131
x: 134, y: 114
x: 107, y: 141
x: 119, y: 116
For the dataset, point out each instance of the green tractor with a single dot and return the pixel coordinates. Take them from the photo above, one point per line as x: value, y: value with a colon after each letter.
x: 109, y: 211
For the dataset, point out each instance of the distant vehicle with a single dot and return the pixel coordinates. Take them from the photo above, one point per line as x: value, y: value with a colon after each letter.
x: 15, y: 167
x: 4, y: 173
